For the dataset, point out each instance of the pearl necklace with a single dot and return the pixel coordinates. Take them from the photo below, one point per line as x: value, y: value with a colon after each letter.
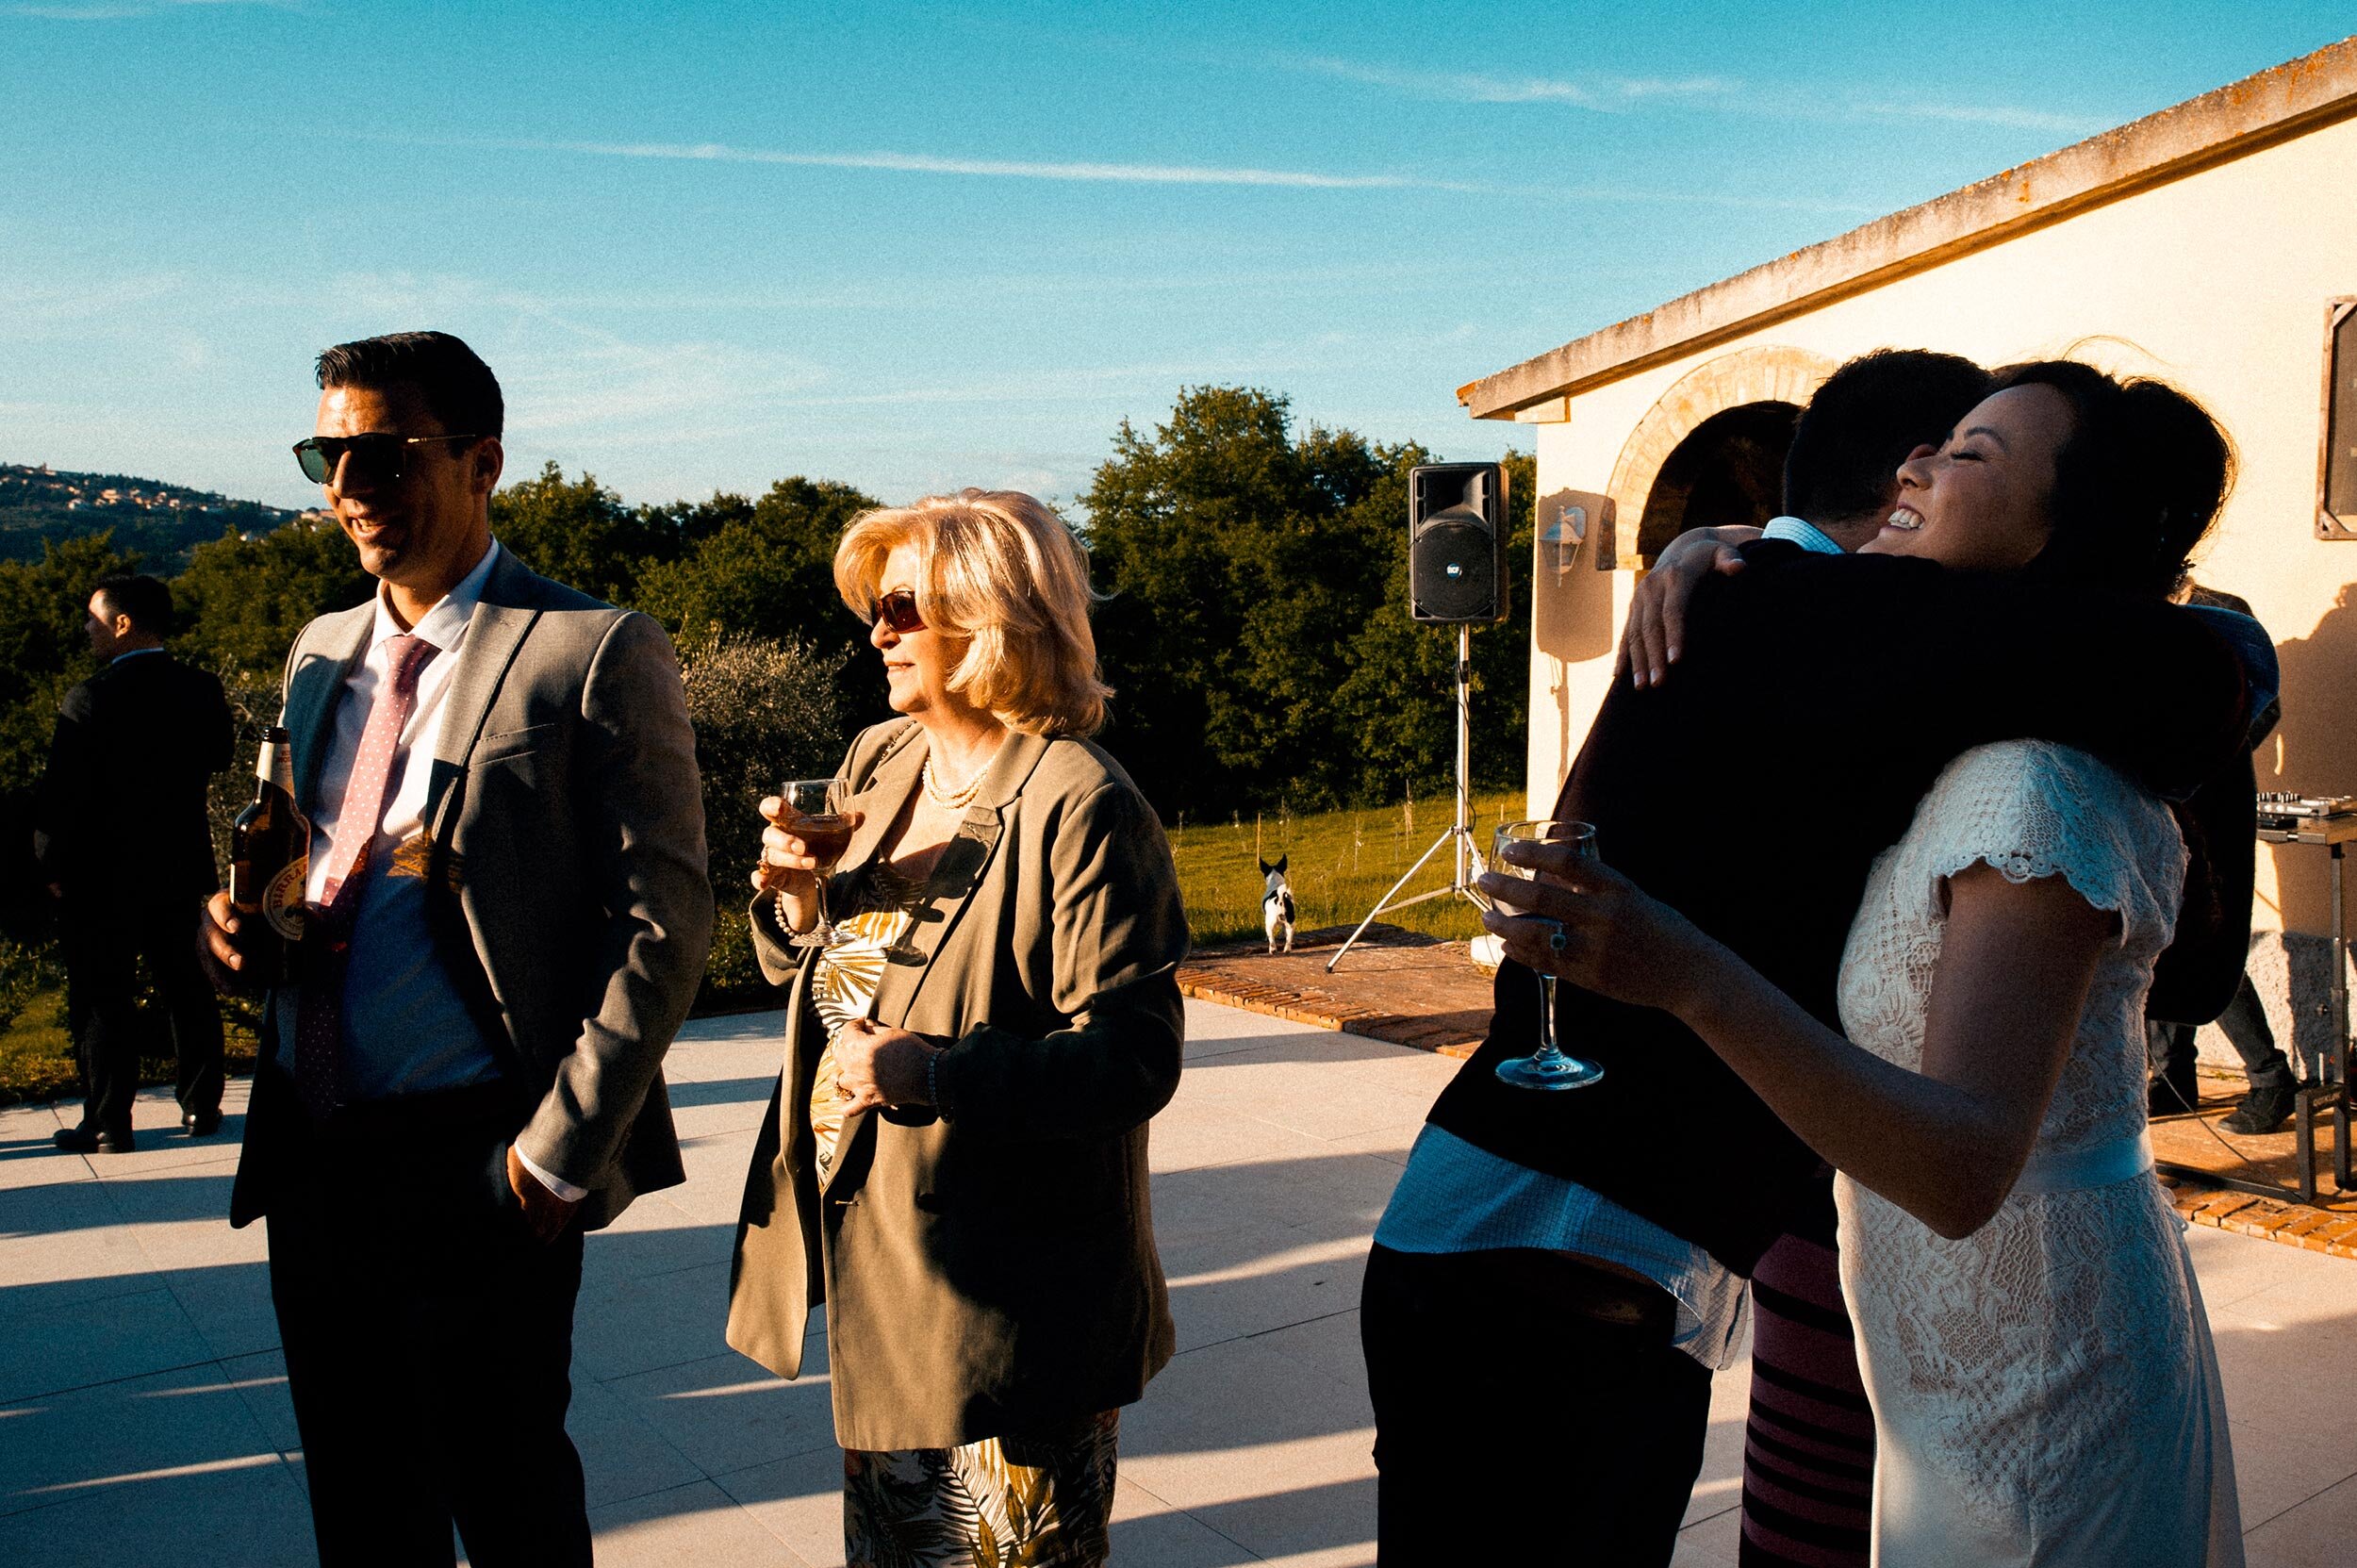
x: 949, y: 799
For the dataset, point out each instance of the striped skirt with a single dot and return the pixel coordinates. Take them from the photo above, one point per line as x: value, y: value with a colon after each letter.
x: 1808, y: 1452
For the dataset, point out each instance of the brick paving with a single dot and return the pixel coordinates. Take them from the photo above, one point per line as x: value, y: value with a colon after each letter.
x: 1416, y: 990
x: 1395, y: 985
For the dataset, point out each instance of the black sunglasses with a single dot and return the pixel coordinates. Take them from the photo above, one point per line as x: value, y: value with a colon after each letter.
x: 898, y: 610
x: 378, y: 457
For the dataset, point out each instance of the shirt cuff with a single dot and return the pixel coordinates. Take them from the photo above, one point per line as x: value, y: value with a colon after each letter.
x: 555, y: 1183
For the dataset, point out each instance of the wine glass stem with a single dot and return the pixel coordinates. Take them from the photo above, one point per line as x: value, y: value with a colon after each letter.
x: 1546, y: 1016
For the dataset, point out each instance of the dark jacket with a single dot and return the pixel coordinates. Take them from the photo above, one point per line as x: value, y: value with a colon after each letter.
x: 2197, y: 977
x: 1817, y: 700
x: 121, y: 809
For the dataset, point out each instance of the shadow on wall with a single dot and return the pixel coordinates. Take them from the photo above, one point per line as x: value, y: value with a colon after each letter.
x: 2314, y: 751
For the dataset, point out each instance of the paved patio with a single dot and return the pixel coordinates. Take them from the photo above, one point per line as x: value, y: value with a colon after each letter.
x: 144, y: 1413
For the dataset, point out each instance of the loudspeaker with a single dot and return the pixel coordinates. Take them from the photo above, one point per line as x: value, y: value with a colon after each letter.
x: 1457, y: 543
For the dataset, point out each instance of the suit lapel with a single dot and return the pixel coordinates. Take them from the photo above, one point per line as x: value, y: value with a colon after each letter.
x: 494, y: 632
x: 884, y: 798
x: 948, y: 891
x: 313, y: 688
x: 957, y: 874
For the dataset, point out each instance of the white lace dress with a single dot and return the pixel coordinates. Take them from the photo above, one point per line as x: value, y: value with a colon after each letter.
x: 2045, y: 1391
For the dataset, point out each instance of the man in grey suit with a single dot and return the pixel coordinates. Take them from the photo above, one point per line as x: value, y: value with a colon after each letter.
x: 508, y: 917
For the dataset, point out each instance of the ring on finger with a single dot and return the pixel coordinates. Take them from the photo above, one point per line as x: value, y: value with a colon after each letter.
x: 1557, y: 939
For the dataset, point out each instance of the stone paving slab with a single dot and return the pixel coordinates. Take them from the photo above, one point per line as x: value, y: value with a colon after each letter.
x: 144, y: 1413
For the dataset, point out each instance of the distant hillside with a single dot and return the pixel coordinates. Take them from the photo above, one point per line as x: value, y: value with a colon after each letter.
x: 163, y: 522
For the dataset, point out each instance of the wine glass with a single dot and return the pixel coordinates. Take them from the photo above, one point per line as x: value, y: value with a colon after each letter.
x: 1547, y: 1068
x: 818, y: 820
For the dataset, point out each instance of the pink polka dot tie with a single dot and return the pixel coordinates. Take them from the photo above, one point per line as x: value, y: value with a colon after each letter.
x: 318, y: 1020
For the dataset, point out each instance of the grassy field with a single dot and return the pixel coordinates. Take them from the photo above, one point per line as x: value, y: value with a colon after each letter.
x: 1341, y: 863
x: 37, y: 1054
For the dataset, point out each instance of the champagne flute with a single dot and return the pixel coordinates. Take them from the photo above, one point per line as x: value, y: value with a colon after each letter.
x: 1547, y: 1068
x: 824, y: 827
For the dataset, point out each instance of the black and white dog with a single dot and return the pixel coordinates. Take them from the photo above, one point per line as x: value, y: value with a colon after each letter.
x: 1276, y: 904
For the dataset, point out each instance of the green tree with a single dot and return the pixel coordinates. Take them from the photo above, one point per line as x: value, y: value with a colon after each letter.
x: 43, y: 649
x: 767, y: 570
x: 1395, y: 712
x: 764, y: 711
x: 241, y: 601
x: 581, y: 534
x: 1258, y: 637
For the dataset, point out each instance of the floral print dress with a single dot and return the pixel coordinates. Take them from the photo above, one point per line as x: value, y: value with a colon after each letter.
x: 1018, y: 1500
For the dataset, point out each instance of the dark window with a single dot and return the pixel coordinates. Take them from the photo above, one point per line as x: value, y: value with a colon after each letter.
x: 2336, y: 477
x: 1728, y: 469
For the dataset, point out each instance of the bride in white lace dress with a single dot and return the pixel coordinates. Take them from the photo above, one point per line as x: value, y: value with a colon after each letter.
x: 2044, y: 1385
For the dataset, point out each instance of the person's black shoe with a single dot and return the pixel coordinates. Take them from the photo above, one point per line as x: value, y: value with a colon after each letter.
x: 2172, y: 1094
x: 201, y: 1124
x: 87, y: 1139
x: 2262, y: 1111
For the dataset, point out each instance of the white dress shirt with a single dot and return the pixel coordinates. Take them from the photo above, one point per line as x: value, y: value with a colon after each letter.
x: 406, y: 1027
x: 1801, y: 532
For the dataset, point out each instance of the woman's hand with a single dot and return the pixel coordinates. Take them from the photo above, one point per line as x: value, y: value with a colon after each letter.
x: 787, y: 867
x: 1584, y: 922
x: 877, y: 1068
x: 1656, y: 612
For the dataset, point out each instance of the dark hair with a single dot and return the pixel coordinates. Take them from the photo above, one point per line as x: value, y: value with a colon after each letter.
x: 2137, y: 482
x: 1865, y: 419
x: 458, y: 388
x: 147, y: 602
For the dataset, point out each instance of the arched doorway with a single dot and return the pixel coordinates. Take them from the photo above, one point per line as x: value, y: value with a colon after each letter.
x: 1722, y: 426
x: 1728, y: 469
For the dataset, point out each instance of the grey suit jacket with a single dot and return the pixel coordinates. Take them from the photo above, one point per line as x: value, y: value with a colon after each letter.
x: 565, y: 882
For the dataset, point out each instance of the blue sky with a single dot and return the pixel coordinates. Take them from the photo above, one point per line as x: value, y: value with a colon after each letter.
x: 913, y: 247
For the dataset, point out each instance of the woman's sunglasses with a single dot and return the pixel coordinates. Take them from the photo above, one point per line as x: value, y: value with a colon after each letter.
x: 377, y: 458
x: 898, y: 610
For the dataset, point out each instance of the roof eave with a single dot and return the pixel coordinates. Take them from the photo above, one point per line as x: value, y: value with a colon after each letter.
x: 2238, y: 118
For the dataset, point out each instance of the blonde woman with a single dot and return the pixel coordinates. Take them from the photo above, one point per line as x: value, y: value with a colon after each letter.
x: 956, y: 1159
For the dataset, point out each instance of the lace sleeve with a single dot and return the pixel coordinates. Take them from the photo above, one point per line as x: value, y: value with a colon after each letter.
x: 2032, y: 809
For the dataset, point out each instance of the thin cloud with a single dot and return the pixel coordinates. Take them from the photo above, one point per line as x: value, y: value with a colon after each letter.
x: 924, y: 163
x: 1200, y: 174
x: 1987, y: 114
x: 120, y: 10
x: 1604, y: 94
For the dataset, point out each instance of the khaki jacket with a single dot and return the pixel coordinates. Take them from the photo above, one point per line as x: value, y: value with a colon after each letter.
x: 992, y: 1269
x: 566, y: 883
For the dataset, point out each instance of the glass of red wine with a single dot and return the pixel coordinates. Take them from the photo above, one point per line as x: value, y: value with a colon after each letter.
x: 1547, y: 1068
x: 815, y: 815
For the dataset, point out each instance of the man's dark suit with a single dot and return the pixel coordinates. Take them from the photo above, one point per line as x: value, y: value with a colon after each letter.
x: 1817, y: 700
x: 122, y: 828
x: 427, y: 1334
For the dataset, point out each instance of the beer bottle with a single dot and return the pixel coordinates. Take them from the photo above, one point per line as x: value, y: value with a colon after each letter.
x: 270, y: 863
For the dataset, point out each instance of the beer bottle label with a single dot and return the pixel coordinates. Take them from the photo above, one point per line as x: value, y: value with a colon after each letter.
x: 282, y: 901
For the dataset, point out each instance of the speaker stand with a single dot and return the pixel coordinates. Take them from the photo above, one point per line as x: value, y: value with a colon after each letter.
x: 1468, y: 859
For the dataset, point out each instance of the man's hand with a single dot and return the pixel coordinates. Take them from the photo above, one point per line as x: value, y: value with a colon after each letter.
x: 1655, y: 632
x: 1585, y: 922
x: 214, y: 949
x: 544, y: 1211
x: 878, y: 1067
